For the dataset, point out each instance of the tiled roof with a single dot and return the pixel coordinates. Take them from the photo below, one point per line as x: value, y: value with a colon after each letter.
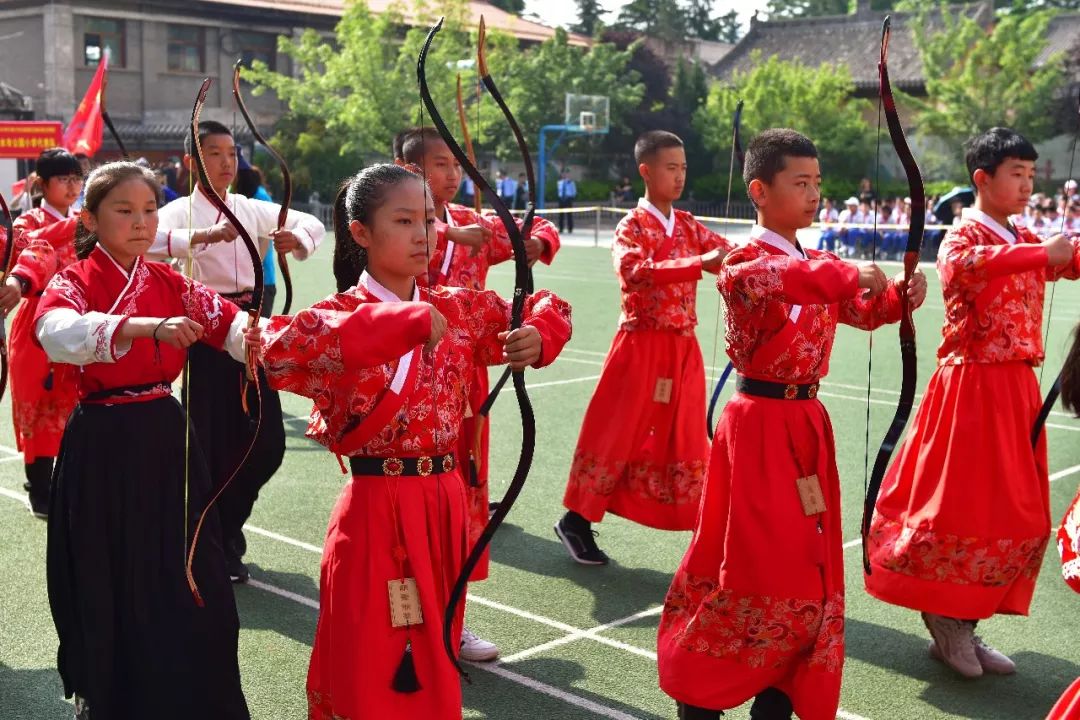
x: 851, y: 40
x: 497, y: 19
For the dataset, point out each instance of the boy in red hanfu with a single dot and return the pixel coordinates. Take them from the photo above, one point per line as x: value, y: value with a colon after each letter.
x: 466, y: 248
x: 649, y: 466
x: 756, y: 609
x: 964, y: 512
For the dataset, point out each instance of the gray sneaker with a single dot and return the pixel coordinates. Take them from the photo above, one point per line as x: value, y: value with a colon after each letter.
x: 993, y: 661
x: 953, y: 644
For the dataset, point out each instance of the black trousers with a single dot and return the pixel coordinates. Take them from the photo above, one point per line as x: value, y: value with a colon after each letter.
x: 566, y: 218
x: 225, y: 432
x: 770, y: 704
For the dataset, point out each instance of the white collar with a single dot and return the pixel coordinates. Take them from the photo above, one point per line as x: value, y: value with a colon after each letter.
x: 449, y: 218
x: 117, y: 265
x: 375, y: 288
x: 767, y: 236
x: 970, y: 213
x: 53, y: 211
x: 667, y: 222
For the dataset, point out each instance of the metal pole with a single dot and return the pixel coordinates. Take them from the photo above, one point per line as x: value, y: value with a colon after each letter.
x: 596, y: 228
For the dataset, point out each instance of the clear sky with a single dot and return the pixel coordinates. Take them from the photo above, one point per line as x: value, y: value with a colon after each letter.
x: 564, y: 12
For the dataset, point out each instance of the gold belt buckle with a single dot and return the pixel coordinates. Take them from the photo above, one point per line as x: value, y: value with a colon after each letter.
x: 812, y: 392
x: 791, y: 392
x: 424, y: 465
x: 393, y: 466
x: 447, y: 463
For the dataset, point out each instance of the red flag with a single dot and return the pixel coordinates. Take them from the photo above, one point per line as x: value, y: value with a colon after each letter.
x: 83, y: 134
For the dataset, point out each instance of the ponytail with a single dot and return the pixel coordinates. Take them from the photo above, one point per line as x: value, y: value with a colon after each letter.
x: 357, y: 200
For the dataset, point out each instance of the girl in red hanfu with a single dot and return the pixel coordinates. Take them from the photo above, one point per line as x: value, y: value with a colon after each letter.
x: 43, y: 394
x: 466, y: 246
x: 649, y: 467
x: 129, y: 486
x: 391, y: 380
x: 756, y: 609
x: 964, y: 512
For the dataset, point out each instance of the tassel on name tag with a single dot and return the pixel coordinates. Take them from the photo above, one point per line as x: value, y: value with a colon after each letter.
x: 810, y: 494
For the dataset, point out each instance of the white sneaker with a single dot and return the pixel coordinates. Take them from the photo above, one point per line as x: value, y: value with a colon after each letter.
x: 475, y: 649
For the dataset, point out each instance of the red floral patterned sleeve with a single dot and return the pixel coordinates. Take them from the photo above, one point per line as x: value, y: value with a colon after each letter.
x: 964, y: 263
x: 487, y: 315
x: 206, y: 307
x: 305, y: 354
x: 633, y: 250
x: 1071, y: 270
x: 707, y: 240
x: 36, y: 264
x: 756, y: 277
x: 872, y: 314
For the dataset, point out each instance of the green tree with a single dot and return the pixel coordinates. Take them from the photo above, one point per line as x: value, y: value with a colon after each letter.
x: 514, y: 6
x: 729, y: 29
x: 815, y: 101
x: 978, y: 77
x: 817, y: 8
x: 701, y: 20
x: 663, y: 19
x: 589, y: 17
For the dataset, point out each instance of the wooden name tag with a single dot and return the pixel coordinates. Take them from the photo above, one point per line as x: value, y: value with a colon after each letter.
x: 813, y: 500
x: 662, y: 393
x: 404, y: 603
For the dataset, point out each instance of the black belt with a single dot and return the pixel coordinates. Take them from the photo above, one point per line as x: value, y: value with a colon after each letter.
x: 410, y: 467
x: 776, y: 390
x: 128, y: 391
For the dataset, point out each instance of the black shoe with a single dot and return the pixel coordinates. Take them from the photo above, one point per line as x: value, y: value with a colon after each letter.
x: 238, y: 572
x: 579, y: 542
x: 39, y: 507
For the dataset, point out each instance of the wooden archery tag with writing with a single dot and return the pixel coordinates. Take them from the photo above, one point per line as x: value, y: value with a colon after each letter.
x: 662, y: 392
x: 405, y: 603
x: 813, y: 500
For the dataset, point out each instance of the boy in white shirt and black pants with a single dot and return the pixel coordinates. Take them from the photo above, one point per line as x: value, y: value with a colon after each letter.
x: 217, y: 380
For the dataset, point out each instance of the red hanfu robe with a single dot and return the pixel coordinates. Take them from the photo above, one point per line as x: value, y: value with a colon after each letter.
x: 454, y: 265
x: 43, y: 394
x: 352, y: 354
x: 758, y: 600
x: 649, y: 466
x: 963, y: 517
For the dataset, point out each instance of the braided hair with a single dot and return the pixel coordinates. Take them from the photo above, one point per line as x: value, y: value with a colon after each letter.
x: 357, y: 199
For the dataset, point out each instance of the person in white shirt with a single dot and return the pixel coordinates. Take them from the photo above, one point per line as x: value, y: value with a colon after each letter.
x: 224, y: 431
x: 849, y: 237
x: 507, y: 188
x: 567, y: 192
x: 895, y: 240
x: 828, y: 216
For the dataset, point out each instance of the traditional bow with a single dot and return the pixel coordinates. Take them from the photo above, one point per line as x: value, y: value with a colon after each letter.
x: 521, y: 276
x: 9, y: 255
x: 254, y: 311
x: 478, y: 201
x: 911, y: 261
x: 736, y: 156
x: 286, y: 181
x: 1055, y: 389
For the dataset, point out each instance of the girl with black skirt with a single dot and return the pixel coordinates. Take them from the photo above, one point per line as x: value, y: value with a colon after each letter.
x: 139, y: 636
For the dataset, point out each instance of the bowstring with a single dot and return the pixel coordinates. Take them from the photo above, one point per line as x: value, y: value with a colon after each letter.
x: 873, y: 259
x: 726, y: 227
x: 1053, y: 285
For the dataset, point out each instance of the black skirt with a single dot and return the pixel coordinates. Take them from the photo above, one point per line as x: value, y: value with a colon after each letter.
x: 133, y: 642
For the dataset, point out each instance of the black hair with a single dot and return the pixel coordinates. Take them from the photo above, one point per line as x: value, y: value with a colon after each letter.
x: 57, y: 162
x: 987, y: 151
x: 100, y: 183
x: 413, y: 143
x: 247, y: 181
x: 357, y: 199
x: 653, y: 142
x: 206, y: 129
x: 767, y: 153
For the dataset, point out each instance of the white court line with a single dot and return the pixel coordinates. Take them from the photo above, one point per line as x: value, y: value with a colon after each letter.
x: 20, y: 497
x: 590, y: 634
